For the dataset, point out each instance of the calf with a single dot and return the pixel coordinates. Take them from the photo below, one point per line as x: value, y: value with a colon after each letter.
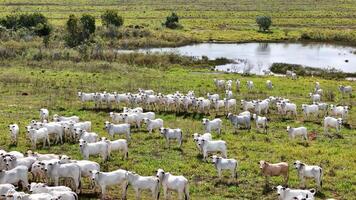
x: 278, y: 169
x: 290, y: 194
x: 300, y: 131
x: 113, y: 129
x: 101, y: 148
x: 104, y: 179
x: 212, y: 125
x: 153, y: 124
x: 309, y: 171
x: 14, y: 132
x: 260, y: 121
x: 225, y: 164
x: 212, y: 146
x: 169, y: 134
x: 331, y: 122
x: 143, y: 183
x: 173, y: 183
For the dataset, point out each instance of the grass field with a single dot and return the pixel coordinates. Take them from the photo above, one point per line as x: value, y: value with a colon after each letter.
x: 27, y: 86
x: 209, y: 20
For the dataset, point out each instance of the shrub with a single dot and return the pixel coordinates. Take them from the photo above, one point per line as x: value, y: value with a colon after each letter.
x: 264, y: 22
x: 172, y: 21
x: 34, y: 21
x: 111, y: 18
x: 79, y: 31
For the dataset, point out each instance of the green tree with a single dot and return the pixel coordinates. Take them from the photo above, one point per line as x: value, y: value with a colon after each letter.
x: 172, y: 21
x: 111, y: 18
x: 87, y: 25
x: 264, y: 22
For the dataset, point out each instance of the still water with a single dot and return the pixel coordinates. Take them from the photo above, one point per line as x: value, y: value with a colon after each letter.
x: 257, y: 57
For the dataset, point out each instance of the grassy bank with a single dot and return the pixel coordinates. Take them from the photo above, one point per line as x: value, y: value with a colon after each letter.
x: 27, y: 86
x: 208, y: 20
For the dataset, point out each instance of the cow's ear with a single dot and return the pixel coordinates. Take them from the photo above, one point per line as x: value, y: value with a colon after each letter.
x: 302, y: 164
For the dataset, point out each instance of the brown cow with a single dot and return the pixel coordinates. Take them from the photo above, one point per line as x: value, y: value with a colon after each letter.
x: 278, y: 169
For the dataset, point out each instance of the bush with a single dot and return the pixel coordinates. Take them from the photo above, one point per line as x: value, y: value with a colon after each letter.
x: 111, y: 18
x: 79, y: 31
x: 34, y: 21
x: 172, y: 21
x: 264, y: 22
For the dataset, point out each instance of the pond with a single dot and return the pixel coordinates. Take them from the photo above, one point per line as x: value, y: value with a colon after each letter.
x: 257, y: 57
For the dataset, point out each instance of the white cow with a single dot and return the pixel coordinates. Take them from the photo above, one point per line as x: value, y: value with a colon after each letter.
x: 269, y: 84
x: 101, y: 148
x: 339, y: 111
x: 300, y: 131
x: 212, y: 125
x: 37, y: 135
x: 225, y: 164
x: 331, y: 122
x: 345, y: 89
x: 113, y: 129
x: 14, y: 132
x: 118, y: 145
x: 249, y: 85
x: 85, y: 135
x: 173, y: 183
x: 44, y: 114
x: 15, y: 176
x: 85, y: 165
x: 170, y: 134
x: 143, y: 183
x: 290, y: 194
x: 58, y: 118
x: 104, y: 179
x: 315, y: 97
x: 309, y: 171
x: 153, y: 124
x: 212, y: 146
x: 260, y: 121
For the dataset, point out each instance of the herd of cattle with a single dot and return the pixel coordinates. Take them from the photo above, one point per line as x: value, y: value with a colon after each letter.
x: 48, y: 168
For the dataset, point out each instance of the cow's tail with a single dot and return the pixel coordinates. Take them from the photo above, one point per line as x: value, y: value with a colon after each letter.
x: 186, y: 192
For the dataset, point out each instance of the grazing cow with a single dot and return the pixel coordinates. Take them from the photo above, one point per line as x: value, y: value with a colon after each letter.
x: 212, y: 125
x: 309, y: 171
x: 212, y: 146
x: 169, y: 134
x: 278, y: 169
x: 291, y: 194
x: 331, y: 122
x: 104, y: 179
x: 300, y: 131
x: 14, y: 132
x: 229, y: 103
x: 345, y: 89
x: 173, y: 183
x: 225, y: 164
x: 143, y: 183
